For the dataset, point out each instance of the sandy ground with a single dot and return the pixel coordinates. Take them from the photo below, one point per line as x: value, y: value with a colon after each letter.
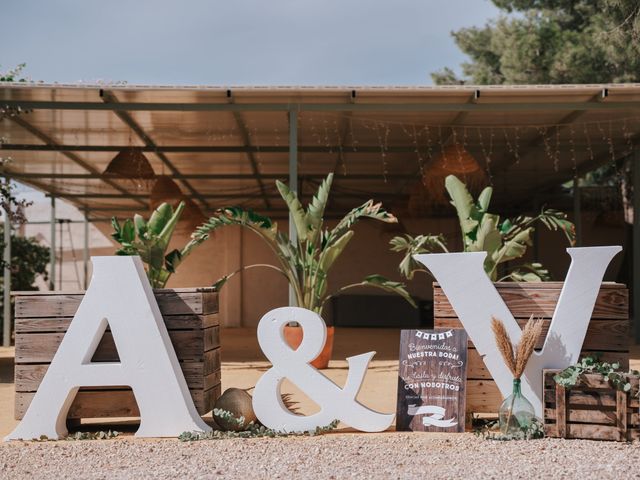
x: 335, y: 455
x: 332, y: 456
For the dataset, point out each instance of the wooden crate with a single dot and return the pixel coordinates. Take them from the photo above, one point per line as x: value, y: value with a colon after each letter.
x: 593, y: 409
x: 191, y: 317
x: 608, y: 333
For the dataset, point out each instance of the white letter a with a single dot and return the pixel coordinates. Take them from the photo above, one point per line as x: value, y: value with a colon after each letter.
x: 121, y: 296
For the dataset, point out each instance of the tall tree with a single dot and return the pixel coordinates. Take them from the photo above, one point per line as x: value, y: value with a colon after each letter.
x: 552, y: 41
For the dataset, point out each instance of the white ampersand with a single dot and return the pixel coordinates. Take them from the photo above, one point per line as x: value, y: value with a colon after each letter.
x: 335, y: 403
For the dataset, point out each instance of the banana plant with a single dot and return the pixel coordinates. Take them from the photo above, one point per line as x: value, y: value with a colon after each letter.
x: 150, y: 240
x: 483, y: 231
x: 306, y: 261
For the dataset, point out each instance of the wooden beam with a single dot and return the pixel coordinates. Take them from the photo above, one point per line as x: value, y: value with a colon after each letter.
x: 71, y: 156
x: 128, y: 120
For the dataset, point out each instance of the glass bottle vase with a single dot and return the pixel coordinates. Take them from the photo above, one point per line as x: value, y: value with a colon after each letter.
x: 516, y: 412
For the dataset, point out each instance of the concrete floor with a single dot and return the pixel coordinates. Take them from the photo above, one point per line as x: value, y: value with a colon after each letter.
x: 243, y: 363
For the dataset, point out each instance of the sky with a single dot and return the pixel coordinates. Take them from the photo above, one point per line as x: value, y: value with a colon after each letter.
x: 237, y: 42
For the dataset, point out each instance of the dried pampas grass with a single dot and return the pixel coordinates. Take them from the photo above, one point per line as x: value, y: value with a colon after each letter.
x: 517, y: 362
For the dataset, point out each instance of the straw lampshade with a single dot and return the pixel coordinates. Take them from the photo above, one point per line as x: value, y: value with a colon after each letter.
x: 452, y: 160
x: 192, y: 215
x: 130, y: 164
x: 165, y: 190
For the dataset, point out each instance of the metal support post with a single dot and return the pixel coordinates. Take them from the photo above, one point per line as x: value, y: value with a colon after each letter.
x: 6, y: 305
x: 293, y: 183
x: 85, y: 252
x: 635, y: 288
x: 52, y: 245
x: 577, y: 211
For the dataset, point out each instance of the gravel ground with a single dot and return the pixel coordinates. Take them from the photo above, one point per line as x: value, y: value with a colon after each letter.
x: 332, y: 456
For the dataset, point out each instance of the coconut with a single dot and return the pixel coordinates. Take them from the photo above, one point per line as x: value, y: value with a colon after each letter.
x: 239, y: 404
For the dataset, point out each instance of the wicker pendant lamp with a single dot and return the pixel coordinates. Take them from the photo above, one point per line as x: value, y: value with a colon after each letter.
x: 164, y: 190
x: 192, y: 215
x: 452, y: 160
x: 132, y: 165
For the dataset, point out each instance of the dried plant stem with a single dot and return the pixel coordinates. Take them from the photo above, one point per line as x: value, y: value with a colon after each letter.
x: 516, y: 362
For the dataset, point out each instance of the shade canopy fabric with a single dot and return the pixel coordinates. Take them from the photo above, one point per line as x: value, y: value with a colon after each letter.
x: 227, y: 145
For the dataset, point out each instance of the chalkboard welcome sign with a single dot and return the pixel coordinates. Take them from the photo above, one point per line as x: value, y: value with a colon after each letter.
x: 431, y: 380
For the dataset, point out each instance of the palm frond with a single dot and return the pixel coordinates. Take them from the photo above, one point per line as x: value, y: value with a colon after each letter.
x: 413, y: 246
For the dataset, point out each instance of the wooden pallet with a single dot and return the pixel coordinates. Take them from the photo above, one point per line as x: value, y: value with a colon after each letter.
x: 608, y: 332
x: 592, y: 410
x: 191, y: 318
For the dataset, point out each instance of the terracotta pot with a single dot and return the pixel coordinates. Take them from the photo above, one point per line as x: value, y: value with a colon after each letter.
x: 293, y: 336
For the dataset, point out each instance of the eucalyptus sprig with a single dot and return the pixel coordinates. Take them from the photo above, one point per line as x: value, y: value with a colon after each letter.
x: 253, y: 431
x: 571, y: 376
x: 101, y: 435
x: 528, y: 432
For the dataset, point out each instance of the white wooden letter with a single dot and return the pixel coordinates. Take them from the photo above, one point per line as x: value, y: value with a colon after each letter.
x: 336, y: 403
x: 475, y: 300
x: 121, y: 297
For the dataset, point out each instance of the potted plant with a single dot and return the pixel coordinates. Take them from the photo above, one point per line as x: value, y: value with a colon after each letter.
x: 190, y: 315
x: 150, y: 240
x: 519, y: 285
x: 306, y: 261
x: 483, y: 231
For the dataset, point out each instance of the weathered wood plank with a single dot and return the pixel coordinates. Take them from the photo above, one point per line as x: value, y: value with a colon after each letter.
x: 61, y: 324
x: 603, y: 335
x: 540, y: 299
x: 41, y: 347
x: 29, y: 376
x: 211, y: 338
x: 604, y: 417
x: 483, y: 396
x: 593, y: 432
x: 171, y: 302
x: 212, y: 361
x: 113, y: 403
x: 561, y: 410
x: 621, y: 415
x: 594, y: 409
x: 598, y: 398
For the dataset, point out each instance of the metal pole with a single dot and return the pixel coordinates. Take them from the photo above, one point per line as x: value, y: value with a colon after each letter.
x: 293, y: 183
x: 635, y: 276
x: 85, y: 256
x: 577, y: 211
x: 52, y: 253
x: 6, y: 306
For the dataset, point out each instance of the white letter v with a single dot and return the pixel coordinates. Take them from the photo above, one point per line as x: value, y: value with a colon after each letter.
x: 475, y: 300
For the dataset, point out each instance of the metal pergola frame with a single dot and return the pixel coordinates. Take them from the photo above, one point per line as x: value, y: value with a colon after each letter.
x: 475, y: 103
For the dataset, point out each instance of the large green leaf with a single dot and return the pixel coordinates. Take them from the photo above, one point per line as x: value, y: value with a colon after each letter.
x: 530, y: 272
x: 514, y: 247
x: 159, y: 218
x: 128, y: 231
x: 315, y: 211
x: 169, y: 226
x: 369, y: 209
x: 462, y: 200
x: 415, y: 245
x: 295, y: 208
x: 331, y: 253
x: 141, y: 225
x: 485, y: 199
x: 554, y: 220
x: 488, y: 238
